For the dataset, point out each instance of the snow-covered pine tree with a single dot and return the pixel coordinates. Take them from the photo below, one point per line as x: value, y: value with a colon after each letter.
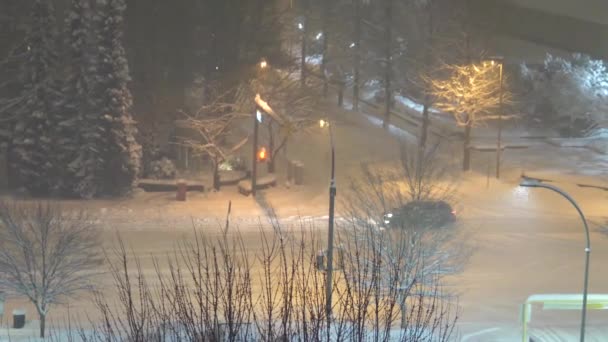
x: 121, y: 153
x: 75, y: 155
x: 30, y: 150
x: 70, y: 148
x: 10, y: 92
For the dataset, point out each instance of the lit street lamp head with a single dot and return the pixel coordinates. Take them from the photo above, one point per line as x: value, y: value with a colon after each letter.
x: 496, y: 59
x: 530, y: 182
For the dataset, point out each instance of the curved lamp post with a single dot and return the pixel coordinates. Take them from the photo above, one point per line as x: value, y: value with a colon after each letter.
x: 536, y: 183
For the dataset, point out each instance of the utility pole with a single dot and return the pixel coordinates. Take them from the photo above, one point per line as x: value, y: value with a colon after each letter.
x: 254, y: 154
x: 330, y: 232
x: 500, y: 110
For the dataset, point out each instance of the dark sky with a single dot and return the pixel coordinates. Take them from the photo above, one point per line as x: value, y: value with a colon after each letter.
x: 588, y: 10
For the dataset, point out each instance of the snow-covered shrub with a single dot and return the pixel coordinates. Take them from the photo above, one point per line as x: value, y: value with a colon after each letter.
x: 233, y: 164
x: 569, y: 94
x: 163, y: 168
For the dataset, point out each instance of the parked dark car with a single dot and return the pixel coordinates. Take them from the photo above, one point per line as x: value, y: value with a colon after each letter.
x: 420, y: 214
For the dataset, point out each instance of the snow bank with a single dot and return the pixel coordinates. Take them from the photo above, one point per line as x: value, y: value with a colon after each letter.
x: 409, y: 103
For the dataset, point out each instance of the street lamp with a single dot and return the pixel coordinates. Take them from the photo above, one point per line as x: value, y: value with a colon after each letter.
x: 500, y: 61
x: 537, y: 183
x: 330, y: 230
x: 261, y: 108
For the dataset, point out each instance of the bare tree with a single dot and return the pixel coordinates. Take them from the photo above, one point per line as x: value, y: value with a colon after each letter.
x: 471, y: 93
x: 402, y: 260
x: 213, y: 123
x: 293, y: 103
x: 217, y: 290
x: 426, y: 175
x: 46, y: 254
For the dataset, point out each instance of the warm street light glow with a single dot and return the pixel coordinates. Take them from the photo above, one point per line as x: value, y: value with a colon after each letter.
x: 323, y: 123
x: 262, y: 154
x: 263, y: 64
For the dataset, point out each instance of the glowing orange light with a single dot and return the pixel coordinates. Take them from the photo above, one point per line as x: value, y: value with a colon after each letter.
x: 262, y: 154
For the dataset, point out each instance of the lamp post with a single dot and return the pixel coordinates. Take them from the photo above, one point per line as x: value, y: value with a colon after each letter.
x: 500, y: 61
x: 330, y: 230
x: 261, y: 108
x: 536, y: 183
x: 257, y: 118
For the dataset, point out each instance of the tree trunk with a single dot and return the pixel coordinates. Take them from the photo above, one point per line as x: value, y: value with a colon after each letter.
x: 216, y: 175
x: 305, y: 23
x: 271, y: 164
x: 466, y: 162
x: 425, y: 123
x: 389, y: 65
x: 271, y: 151
x: 428, y: 61
x: 423, y: 134
x: 357, y: 56
x: 326, y: 19
x: 403, y: 309
x: 42, y: 324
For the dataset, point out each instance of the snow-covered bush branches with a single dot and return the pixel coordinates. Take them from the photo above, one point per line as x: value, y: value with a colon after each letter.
x: 567, y: 92
x: 472, y: 94
x: 216, y: 289
x: 293, y: 103
x: 163, y: 168
x: 408, y: 258
x: 212, y: 124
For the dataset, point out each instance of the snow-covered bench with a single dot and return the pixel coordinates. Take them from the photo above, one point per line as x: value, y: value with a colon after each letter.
x: 261, y: 183
x: 169, y: 185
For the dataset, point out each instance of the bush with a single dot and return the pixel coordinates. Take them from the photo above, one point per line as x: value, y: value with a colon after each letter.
x: 233, y: 164
x: 569, y: 95
x: 163, y: 168
x: 216, y: 289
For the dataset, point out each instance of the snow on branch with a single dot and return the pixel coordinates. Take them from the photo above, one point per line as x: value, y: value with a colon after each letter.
x: 471, y: 93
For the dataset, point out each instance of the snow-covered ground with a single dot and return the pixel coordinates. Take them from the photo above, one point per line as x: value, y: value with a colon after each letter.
x: 527, y: 241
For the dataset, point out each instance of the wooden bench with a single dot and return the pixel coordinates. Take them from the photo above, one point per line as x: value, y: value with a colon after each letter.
x: 232, y: 177
x: 261, y: 183
x: 168, y: 185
